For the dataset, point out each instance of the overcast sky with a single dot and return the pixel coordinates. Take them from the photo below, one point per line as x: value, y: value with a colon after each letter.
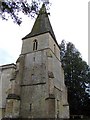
x: 69, y: 19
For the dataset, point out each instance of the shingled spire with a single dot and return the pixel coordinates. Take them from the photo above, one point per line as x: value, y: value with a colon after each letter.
x: 42, y: 25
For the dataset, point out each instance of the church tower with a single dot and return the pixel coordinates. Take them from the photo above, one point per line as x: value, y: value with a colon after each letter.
x: 39, y: 77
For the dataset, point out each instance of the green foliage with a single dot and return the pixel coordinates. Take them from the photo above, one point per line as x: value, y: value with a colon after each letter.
x: 77, y: 78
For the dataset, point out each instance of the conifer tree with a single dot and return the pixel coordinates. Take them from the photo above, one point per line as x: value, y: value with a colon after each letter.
x: 77, y: 78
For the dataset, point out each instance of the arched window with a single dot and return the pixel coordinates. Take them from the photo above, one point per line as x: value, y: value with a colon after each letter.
x: 35, y: 44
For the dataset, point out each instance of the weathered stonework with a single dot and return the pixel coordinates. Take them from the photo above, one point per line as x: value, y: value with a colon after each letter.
x: 43, y: 80
x: 37, y: 88
x: 5, y: 76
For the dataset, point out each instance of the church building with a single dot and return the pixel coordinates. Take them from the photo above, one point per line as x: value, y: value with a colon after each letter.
x: 35, y: 84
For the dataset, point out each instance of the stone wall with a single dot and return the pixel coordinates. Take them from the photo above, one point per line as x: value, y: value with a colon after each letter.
x: 5, y: 76
x: 33, y: 85
x: 42, y: 85
x: 43, y: 43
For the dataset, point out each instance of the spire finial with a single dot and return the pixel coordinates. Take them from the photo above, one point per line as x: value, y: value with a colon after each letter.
x: 43, y: 9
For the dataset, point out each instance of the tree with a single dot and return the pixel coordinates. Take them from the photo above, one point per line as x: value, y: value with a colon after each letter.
x: 12, y: 8
x: 77, y: 78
